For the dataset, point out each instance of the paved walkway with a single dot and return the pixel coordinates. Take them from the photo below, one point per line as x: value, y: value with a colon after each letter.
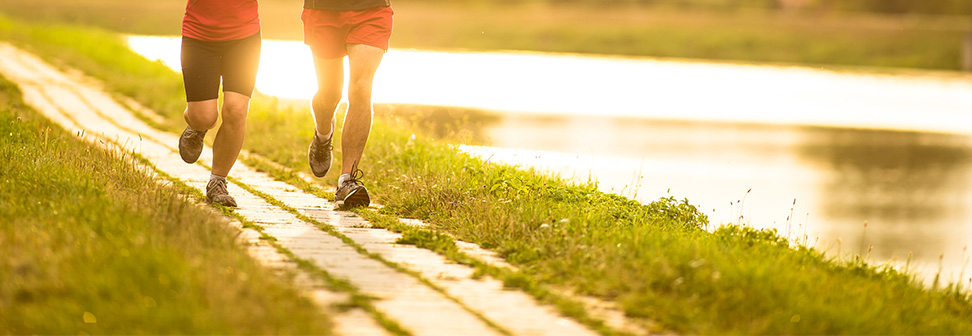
x: 458, y: 305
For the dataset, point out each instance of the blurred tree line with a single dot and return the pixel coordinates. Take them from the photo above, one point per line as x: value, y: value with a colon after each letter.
x: 939, y: 7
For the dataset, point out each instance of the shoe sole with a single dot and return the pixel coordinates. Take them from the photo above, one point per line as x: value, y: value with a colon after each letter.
x: 226, y: 203
x: 322, y: 174
x: 189, y: 159
x: 357, y: 198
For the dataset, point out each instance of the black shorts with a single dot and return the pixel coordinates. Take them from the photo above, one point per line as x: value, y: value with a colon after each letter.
x: 204, y: 62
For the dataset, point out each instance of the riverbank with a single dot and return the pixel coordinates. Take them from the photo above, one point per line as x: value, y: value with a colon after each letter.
x: 653, y: 260
x: 807, y: 38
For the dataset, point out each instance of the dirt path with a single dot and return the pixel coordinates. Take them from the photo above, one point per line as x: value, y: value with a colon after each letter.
x: 435, y: 296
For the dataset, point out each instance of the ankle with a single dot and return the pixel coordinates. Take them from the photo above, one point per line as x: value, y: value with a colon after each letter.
x: 323, y: 136
x: 195, y: 130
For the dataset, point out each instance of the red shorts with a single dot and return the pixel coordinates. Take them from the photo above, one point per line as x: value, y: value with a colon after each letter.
x: 328, y: 32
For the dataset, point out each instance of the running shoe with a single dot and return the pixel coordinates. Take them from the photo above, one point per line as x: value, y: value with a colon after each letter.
x: 351, y: 193
x: 191, y: 144
x: 319, y: 154
x: 216, y: 193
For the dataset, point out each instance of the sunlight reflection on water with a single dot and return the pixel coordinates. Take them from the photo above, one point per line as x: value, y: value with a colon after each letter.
x: 707, y: 132
x: 582, y: 85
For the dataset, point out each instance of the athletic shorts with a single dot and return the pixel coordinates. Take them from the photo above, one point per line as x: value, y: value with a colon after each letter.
x: 204, y: 63
x: 328, y: 32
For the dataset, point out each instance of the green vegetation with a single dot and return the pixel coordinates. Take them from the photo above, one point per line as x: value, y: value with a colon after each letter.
x: 91, y: 244
x: 945, y: 7
x: 826, y: 33
x: 748, y: 36
x: 89, y: 50
x: 445, y: 245
x: 357, y: 298
x: 653, y: 259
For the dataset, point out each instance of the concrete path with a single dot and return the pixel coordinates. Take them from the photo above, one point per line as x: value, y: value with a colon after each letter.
x: 435, y: 296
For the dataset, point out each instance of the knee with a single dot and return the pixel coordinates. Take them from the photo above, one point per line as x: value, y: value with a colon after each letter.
x: 359, y: 91
x: 326, y: 100
x: 235, y: 113
x: 201, y: 118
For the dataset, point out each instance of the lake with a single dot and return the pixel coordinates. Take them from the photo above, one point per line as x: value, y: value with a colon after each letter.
x: 846, y: 162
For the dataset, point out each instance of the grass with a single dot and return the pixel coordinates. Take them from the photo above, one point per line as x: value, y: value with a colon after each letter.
x: 654, y: 260
x: 445, y: 245
x: 812, y: 38
x: 749, y: 36
x: 101, y: 47
x: 357, y: 298
x: 91, y: 244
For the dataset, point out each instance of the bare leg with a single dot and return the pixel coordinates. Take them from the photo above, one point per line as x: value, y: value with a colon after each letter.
x: 229, y: 139
x: 330, y: 87
x: 201, y: 115
x: 364, y: 61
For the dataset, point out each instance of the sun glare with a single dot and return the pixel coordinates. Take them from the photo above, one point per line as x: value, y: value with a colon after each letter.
x: 615, y: 86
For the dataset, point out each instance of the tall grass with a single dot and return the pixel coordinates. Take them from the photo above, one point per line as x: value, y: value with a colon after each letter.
x: 91, y: 244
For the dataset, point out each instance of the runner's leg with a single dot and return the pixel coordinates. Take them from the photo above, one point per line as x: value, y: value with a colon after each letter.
x: 364, y: 61
x: 330, y: 88
x: 200, y: 71
x: 229, y: 138
x: 239, y: 66
x: 201, y: 115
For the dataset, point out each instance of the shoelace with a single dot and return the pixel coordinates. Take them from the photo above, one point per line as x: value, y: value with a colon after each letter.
x: 356, y: 175
x: 195, y: 135
x: 219, y: 185
x: 328, y: 144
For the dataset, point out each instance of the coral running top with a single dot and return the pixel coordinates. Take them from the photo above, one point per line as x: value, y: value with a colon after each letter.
x: 221, y: 20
